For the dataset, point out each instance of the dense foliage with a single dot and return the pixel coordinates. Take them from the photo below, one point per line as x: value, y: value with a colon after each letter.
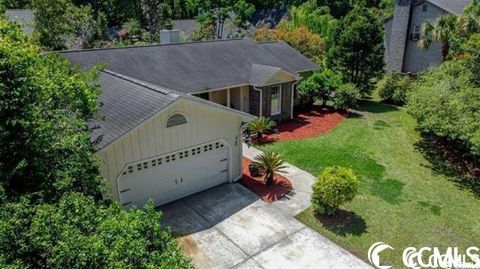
x: 357, y: 52
x: 334, y: 187
x: 445, y: 102
x: 310, y: 44
x: 346, y: 96
x: 76, y: 232
x: 59, y: 24
x: 51, y: 214
x: 393, y: 88
x: 320, y: 86
x: 44, y: 105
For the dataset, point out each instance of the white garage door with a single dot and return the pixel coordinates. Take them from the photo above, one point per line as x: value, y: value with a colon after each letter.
x: 169, y: 177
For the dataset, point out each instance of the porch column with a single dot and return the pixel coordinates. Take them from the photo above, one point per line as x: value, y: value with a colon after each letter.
x: 228, y: 97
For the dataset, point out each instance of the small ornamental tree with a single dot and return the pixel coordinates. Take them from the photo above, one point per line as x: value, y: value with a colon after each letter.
x: 321, y: 85
x: 346, y: 96
x: 393, y: 88
x: 334, y: 187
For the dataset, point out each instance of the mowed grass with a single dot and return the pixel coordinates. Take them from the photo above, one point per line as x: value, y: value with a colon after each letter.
x: 403, y: 201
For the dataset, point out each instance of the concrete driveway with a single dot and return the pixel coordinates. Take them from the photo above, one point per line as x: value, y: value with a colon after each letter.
x: 230, y: 227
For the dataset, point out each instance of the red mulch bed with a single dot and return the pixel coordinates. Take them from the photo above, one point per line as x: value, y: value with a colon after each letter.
x: 307, y: 124
x: 272, y: 193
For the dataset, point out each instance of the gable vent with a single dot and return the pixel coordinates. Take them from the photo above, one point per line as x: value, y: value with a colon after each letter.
x: 176, y: 119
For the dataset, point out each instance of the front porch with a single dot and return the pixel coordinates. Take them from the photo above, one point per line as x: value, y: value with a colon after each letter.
x: 270, y: 92
x: 273, y: 101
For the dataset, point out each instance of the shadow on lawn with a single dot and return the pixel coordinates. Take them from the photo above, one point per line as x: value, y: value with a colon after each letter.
x: 375, y: 107
x: 343, y: 223
x: 452, y: 161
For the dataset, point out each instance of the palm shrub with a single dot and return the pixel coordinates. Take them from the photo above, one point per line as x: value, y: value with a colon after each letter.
x: 334, y: 187
x: 270, y: 163
x: 346, y: 96
x: 260, y: 126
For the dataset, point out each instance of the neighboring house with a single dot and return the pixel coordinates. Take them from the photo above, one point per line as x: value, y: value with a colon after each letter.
x: 262, y: 18
x: 174, y: 113
x: 403, y: 31
x: 24, y: 17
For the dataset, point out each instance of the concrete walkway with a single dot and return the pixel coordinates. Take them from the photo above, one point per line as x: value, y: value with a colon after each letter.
x: 230, y: 227
x: 299, y: 198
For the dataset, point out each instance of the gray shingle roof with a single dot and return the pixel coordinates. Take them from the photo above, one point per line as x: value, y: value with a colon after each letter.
x: 196, y: 66
x: 455, y: 7
x: 24, y: 17
x: 126, y: 104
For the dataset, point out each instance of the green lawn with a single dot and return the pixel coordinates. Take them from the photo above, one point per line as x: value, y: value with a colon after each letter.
x: 404, y: 200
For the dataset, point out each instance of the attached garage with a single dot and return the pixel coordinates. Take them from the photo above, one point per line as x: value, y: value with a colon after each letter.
x: 174, y: 175
x: 162, y: 145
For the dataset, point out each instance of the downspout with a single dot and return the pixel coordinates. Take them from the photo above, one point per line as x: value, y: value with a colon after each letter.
x: 292, y: 101
x: 242, y: 127
x: 261, y: 100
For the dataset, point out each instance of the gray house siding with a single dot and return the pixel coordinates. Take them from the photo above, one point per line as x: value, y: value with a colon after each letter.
x: 418, y: 59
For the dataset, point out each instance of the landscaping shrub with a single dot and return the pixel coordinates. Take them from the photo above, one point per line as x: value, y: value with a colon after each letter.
x: 334, y: 187
x: 270, y: 163
x: 346, y: 96
x: 260, y: 126
x: 320, y: 85
x: 394, y: 87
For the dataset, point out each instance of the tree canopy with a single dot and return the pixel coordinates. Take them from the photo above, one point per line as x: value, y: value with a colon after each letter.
x: 51, y: 211
x: 357, y: 49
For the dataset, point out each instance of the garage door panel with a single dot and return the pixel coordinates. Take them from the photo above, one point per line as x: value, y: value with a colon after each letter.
x: 174, y: 176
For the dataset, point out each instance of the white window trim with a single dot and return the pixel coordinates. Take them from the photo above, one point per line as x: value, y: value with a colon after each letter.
x: 279, y: 100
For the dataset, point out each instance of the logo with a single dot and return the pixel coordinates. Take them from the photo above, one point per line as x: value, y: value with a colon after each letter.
x: 374, y: 257
x: 429, y: 257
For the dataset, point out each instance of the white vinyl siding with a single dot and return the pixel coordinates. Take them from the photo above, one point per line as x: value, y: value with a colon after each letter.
x: 152, y: 138
x: 276, y: 100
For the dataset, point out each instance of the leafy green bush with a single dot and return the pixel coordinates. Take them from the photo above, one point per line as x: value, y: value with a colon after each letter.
x: 346, y: 96
x: 445, y: 102
x: 334, y: 187
x: 76, y: 232
x: 320, y: 85
x: 394, y: 87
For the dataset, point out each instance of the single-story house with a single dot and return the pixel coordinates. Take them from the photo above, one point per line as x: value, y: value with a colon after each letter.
x: 173, y: 114
x: 403, y: 31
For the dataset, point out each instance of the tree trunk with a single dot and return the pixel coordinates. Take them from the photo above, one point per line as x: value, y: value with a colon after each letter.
x: 259, y: 136
x: 269, y: 178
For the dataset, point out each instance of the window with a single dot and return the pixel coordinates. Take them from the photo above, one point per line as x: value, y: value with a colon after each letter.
x: 415, y: 36
x: 276, y: 101
x: 176, y: 119
x: 425, y: 8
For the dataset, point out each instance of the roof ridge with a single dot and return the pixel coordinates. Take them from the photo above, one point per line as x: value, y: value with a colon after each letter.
x: 147, y: 85
x: 150, y: 45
